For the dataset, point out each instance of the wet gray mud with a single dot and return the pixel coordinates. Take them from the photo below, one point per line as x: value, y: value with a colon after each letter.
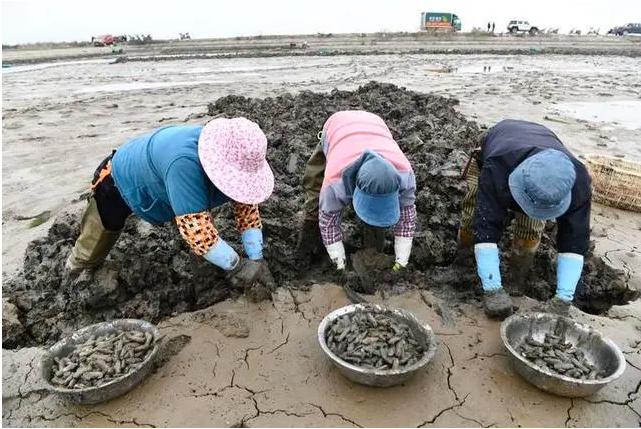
x: 151, y: 273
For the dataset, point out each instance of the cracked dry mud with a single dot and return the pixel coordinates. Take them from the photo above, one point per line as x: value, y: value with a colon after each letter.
x: 151, y: 273
x: 278, y: 376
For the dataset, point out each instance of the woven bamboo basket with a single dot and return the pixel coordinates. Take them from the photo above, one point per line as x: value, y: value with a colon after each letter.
x: 615, y: 182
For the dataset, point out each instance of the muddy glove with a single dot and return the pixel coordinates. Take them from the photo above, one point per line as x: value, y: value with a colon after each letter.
x: 222, y: 255
x: 402, y: 250
x: 336, y: 253
x: 568, y: 273
x: 309, y: 241
x: 249, y: 272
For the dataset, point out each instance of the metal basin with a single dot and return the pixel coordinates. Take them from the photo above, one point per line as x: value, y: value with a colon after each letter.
x: 380, y: 378
x: 114, y: 388
x: 599, y: 351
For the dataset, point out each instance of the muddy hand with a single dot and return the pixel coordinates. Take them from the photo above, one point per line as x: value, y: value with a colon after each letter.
x: 245, y: 274
x: 265, y: 276
x: 348, y: 281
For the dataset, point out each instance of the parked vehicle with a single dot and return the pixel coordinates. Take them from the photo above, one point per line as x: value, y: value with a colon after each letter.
x: 517, y: 26
x: 624, y: 30
x: 433, y: 21
x: 105, y: 40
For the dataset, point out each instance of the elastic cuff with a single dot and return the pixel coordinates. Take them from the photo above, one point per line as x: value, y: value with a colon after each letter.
x: 222, y: 255
x: 252, y: 239
x: 486, y: 246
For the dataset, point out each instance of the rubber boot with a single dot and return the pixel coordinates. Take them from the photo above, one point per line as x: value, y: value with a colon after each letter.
x: 497, y: 304
x: 520, y: 263
x: 93, y: 244
x: 373, y: 237
x: 464, y: 249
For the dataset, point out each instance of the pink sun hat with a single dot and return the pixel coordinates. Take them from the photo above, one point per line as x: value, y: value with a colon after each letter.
x: 232, y: 153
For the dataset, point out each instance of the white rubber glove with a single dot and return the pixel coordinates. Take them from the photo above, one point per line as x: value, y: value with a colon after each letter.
x: 402, y: 250
x: 336, y: 253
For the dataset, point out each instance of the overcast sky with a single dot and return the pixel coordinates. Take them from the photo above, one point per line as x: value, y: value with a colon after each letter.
x: 65, y: 20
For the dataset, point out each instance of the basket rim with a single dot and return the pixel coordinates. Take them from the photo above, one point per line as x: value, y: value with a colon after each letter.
x: 622, y: 166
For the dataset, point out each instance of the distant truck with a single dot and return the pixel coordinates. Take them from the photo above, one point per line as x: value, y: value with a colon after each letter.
x: 105, y: 40
x: 433, y: 21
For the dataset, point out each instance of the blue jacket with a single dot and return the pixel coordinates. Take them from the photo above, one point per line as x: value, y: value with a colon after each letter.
x: 506, y: 145
x: 160, y: 176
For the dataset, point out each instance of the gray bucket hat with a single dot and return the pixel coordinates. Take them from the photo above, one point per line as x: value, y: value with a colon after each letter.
x: 542, y: 184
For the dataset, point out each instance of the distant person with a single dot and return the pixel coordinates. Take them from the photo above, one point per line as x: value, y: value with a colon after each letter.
x: 357, y: 162
x: 488, y: 27
x: 493, y: 27
x: 523, y: 167
x: 179, y: 173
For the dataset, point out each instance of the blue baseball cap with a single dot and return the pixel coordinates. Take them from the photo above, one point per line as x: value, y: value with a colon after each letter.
x: 542, y: 184
x: 376, y: 194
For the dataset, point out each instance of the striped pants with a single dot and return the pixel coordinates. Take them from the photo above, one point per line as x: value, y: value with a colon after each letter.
x: 527, y: 231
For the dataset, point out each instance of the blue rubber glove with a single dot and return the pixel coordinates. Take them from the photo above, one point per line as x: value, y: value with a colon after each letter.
x: 568, y: 273
x: 222, y: 255
x: 253, y: 243
x: 487, y: 265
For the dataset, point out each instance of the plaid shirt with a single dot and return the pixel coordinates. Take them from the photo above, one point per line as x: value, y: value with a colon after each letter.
x: 331, y: 232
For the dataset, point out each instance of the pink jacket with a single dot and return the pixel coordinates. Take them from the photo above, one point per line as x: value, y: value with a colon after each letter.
x: 349, y: 133
x: 346, y: 136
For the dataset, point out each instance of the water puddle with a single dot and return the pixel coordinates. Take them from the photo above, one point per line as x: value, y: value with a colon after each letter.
x: 137, y: 86
x: 626, y: 113
x: 33, y: 67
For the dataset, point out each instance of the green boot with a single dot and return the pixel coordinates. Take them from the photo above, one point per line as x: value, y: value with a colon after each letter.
x: 93, y: 244
x: 373, y: 237
x: 520, y: 263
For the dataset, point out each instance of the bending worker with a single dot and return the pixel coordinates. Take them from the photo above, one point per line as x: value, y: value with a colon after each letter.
x: 180, y: 173
x: 524, y: 167
x: 357, y: 161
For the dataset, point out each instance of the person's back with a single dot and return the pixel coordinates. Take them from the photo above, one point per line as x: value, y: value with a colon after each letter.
x: 160, y: 175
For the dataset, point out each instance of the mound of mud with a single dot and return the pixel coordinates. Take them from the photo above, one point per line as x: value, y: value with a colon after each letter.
x: 151, y: 273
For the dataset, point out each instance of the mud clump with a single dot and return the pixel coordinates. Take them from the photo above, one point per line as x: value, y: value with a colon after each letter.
x: 102, y: 359
x: 151, y: 273
x: 373, y: 340
x: 560, y: 357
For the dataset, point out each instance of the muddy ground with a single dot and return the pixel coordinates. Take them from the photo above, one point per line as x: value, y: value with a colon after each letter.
x: 335, y: 44
x: 238, y: 364
x: 60, y: 120
x: 151, y: 273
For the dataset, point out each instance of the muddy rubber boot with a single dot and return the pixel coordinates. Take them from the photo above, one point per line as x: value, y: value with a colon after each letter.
x: 464, y: 249
x: 93, y: 244
x: 520, y: 263
x: 373, y: 237
x: 497, y: 304
x: 310, y: 246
